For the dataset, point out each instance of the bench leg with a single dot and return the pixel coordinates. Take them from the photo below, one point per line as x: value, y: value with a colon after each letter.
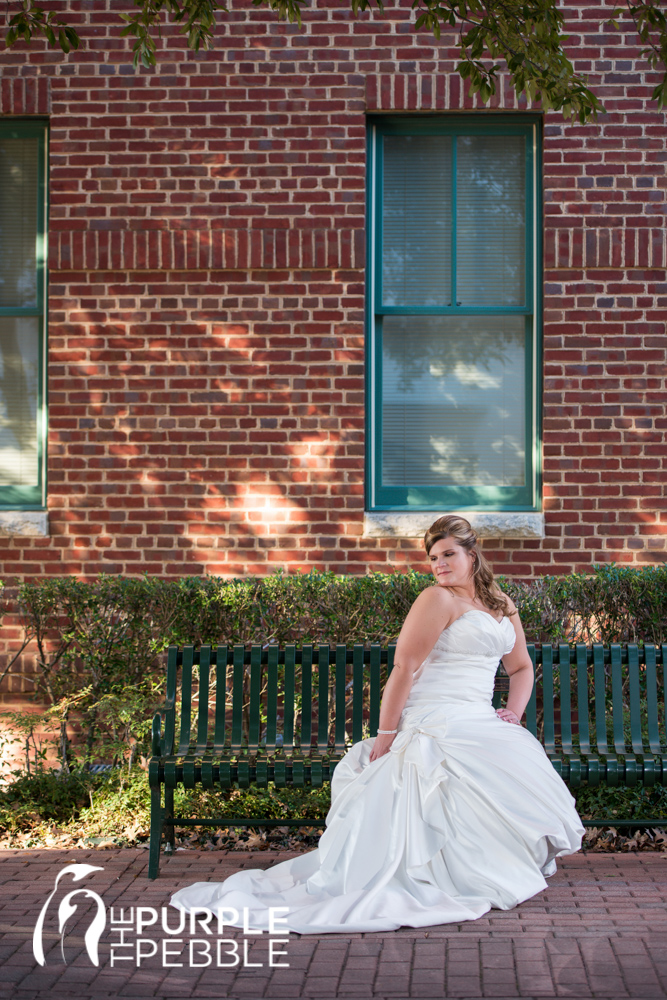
x: 156, y: 833
x: 168, y: 816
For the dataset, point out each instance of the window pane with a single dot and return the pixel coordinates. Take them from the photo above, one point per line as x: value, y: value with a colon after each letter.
x: 453, y: 401
x: 19, y: 374
x: 18, y: 221
x: 416, y: 219
x: 490, y: 220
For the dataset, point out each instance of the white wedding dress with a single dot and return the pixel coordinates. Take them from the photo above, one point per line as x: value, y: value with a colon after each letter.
x: 463, y: 814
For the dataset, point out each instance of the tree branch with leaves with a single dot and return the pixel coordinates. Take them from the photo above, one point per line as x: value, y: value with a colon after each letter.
x: 523, y: 38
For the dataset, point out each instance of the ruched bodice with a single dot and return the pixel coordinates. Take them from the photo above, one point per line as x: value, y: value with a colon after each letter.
x: 461, y: 667
x: 463, y: 813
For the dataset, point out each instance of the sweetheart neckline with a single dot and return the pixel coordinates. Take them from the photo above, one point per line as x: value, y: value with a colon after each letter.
x: 479, y: 612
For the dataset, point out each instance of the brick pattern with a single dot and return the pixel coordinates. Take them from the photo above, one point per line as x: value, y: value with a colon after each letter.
x: 28, y: 95
x: 596, y: 931
x: 206, y: 365
x: 206, y: 250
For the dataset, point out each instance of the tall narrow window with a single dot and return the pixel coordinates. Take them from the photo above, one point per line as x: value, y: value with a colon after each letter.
x: 452, y: 314
x: 22, y: 307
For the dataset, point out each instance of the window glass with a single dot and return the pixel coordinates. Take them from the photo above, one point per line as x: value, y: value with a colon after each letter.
x: 22, y: 319
x: 490, y: 220
x: 19, y: 390
x: 452, y: 342
x: 19, y: 158
x: 453, y: 401
x: 417, y: 221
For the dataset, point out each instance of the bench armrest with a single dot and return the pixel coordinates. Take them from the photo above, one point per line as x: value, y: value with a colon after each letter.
x: 159, y: 748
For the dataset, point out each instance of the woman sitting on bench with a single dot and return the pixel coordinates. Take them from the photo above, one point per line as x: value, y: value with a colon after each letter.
x: 453, y: 808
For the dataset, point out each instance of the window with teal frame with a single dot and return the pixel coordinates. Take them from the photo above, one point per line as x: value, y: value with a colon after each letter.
x: 23, y: 151
x: 453, y: 313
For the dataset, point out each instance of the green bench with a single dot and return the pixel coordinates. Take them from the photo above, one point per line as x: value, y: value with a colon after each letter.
x: 599, y: 712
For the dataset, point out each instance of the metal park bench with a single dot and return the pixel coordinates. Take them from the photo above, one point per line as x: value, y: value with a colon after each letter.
x: 237, y: 718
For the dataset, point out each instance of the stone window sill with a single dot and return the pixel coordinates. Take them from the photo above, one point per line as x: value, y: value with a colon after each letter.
x: 405, y: 524
x: 24, y: 523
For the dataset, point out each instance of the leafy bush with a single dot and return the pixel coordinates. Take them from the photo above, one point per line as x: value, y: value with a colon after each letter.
x: 615, y: 804
x: 99, y: 644
x: 44, y: 795
x: 84, y: 809
x: 113, y: 809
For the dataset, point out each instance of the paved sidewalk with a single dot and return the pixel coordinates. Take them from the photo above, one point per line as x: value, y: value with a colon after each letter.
x: 599, y: 930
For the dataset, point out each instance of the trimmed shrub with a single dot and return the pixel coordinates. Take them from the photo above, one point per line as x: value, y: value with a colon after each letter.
x: 99, y: 644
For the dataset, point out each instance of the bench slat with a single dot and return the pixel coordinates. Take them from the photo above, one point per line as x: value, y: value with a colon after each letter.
x: 255, y: 693
x: 322, y: 698
x: 357, y: 694
x: 271, y: 698
x: 238, y: 677
x: 220, y: 698
x: 306, y: 696
x: 186, y: 698
x: 170, y: 721
x: 583, y: 704
x: 340, y: 681
x: 635, y: 697
x: 548, y: 699
x: 600, y: 707
x: 617, y: 698
x: 565, y: 698
x: 375, y: 681
x: 652, y: 699
x: 202, y: 719
x: 288, y: 698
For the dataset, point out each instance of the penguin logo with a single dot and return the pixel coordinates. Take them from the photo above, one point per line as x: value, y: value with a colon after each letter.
x: 66, y: 910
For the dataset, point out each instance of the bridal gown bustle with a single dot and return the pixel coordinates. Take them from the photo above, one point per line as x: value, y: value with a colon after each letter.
x: 463, y: 814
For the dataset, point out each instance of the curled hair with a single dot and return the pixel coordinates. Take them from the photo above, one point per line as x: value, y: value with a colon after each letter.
x: 486, y: 590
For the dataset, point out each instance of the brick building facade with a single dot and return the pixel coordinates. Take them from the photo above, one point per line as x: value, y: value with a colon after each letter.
x: 208, y: 283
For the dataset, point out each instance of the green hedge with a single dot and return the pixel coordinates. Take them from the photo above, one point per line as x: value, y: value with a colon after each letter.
x: 98, y: 645
x: 613, y: 603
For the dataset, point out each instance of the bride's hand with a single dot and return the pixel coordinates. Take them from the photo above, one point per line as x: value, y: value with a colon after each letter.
x: 508, y: 716
x: 381, y: 746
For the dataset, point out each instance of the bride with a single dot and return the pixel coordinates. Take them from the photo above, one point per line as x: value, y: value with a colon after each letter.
x: 453, y: 808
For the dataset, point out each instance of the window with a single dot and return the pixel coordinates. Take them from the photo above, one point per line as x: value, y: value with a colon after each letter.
x: 22, y: 308
x: 452, y: 314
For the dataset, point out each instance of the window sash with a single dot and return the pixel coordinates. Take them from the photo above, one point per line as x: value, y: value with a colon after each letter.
x: 418, y: 496
x: 14, y: 495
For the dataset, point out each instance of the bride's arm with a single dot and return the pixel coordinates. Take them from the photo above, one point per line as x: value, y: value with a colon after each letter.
x: 519, y: 666
x: 427, y: 617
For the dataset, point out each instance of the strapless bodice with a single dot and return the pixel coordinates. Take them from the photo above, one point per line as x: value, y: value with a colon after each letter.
x: 461, y: 667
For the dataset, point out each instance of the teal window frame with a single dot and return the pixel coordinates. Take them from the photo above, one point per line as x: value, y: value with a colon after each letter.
x: 34, y: 497
x: 415, y: 497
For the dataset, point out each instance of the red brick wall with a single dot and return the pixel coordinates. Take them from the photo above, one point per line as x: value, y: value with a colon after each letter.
x: 206, y: 362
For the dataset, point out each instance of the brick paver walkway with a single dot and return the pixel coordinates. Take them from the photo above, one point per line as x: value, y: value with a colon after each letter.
x: 599, y: 930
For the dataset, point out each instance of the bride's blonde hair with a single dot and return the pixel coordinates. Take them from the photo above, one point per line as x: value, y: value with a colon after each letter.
x: 486, y: 590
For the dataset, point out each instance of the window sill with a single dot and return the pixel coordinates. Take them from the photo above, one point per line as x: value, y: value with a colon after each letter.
x: 406, y: 524
x: 24, y: 523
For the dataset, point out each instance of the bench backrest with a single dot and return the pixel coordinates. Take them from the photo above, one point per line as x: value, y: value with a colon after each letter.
x: 586, y: 698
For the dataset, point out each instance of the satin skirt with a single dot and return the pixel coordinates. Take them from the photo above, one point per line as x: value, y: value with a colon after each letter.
x: 464, y: 813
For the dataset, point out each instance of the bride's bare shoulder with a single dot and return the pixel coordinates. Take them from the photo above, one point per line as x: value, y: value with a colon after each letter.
x: 435, y: 598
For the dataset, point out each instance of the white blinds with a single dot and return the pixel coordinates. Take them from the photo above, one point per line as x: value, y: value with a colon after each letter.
x: 490, y: 220
x: 18, y: 221
x: 416, y: 220
x: 453, y: 401
x: 19, y: 374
